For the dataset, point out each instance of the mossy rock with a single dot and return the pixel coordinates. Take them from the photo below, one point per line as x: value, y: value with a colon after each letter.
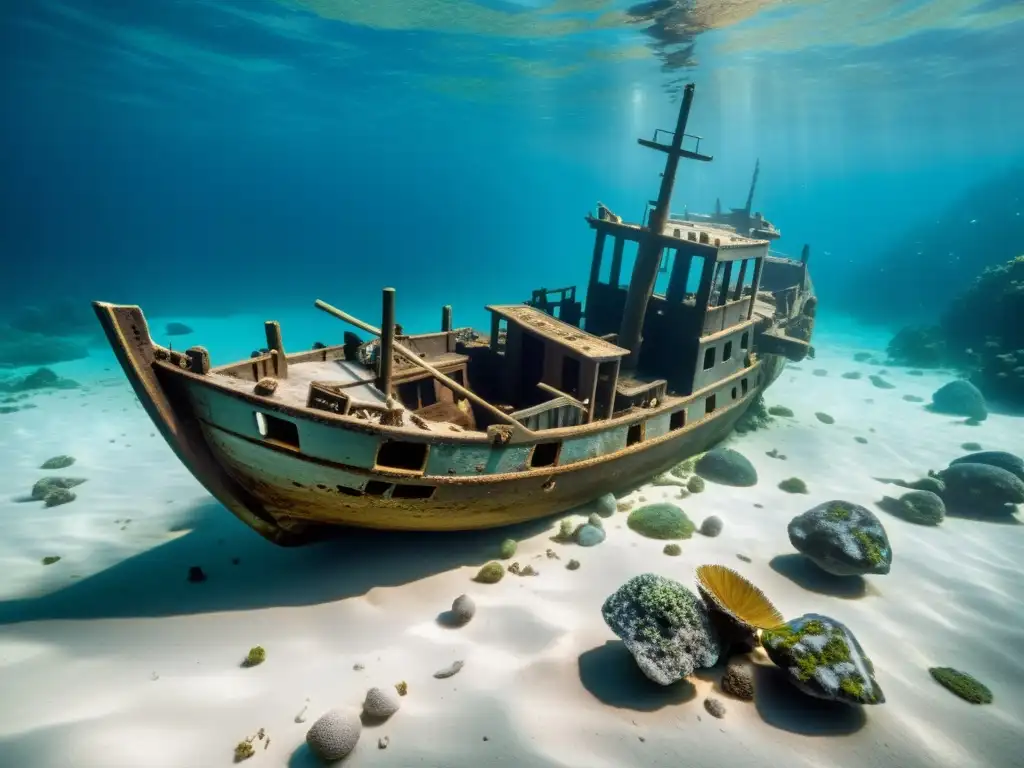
x: 824, y: 418
x: 257, y: 655
x: 726, y: 467
x: 781, y: 410
x: 58, y: 462
x: 672, y: 550
x: 58, y: 496
x: 661, y: 521
x: 507, y: 549
x: 51, y: 559
x: 491, y: 573
x: 793, y: 485
x: 919, y: 507
x: 695, y: 484
x: 962, y: 684
x: 48, y: 484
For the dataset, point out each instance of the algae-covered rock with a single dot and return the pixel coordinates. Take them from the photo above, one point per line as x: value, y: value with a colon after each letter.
x: 491, y: 573
x: 57, y: 496
x: 962, y: 684
x: 842, y: 538
x: 738, y: 680
x: 256, y: 656
x: 49, y: 484
x: 726, y: 467
x: 507, y: 549
x: 919, y: 507
x: 695, y: 484
x: 661, y: 521
x: 960, y: 398
x: 606, y: 505
x: 1002, y: 459
x: 793, y: 485
x: 823, y: 659
x: 664, y: 625
x: 712, y: 526
x: 981, y: 489
x: 334, y: 735
x: 58, y: 462
x: 781, y: 410
x: 672, y: 550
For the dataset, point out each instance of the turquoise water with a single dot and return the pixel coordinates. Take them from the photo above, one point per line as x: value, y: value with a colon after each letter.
x: 221, y: 164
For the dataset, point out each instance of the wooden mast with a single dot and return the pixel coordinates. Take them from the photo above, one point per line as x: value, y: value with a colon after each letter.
x: 648, y: 259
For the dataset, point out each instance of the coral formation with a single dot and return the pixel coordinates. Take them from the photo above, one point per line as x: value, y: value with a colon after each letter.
x: 661, y: 521
x: 962, y: 684
x: 728, y: 592
x: 823, y: 659
x: 244, y: 750
x: 664, y: 625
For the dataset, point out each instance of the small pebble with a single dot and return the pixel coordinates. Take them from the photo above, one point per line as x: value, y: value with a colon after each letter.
x: 572, y: 565
x: 714, y: 706
x: 382, y: 742
x: 452, y: 669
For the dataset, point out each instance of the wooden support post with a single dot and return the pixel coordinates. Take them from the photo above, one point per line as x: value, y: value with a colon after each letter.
x: 446, y: 318
x: 274, y: 344
x: 387, y: 342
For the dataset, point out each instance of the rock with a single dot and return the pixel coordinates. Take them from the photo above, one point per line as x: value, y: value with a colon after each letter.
x: 981, y: 488
x: 41, y: 378
x: 820, y: 372
x: 933, y: 484
x: 973, y: 447
x: 661, y: 521
x: 672, y: 550
x: 921, y: 346
x: 695, y: 484
x: 507, y: 549
x: 852, y: 375
x: 823, y: 659
x: 49, y: 484
x: 738, y: 681
x: 452, y: 669
x: 824, y: 418
x: 381, y: 703
x: 793, y: 485
x: 606, y: 505
x: 714, y: 707
x: 596, y: 521
x: 463, y: 609
x: 491, y: 573
x: 960, y: 398
x: 726, y: 467
x: 780, y: 410
x: 1012, y: 464
x: 177, y: 329
x: 572, y: 565
x: 334, y: 735
x: 589, y: 536
x: 19, y: 349
x: 862, y: 357
x: 58, y: 462
x: 58, y: 496
x: 921, y: 507
x: 880, y: 383
x: 842, y: 538
x: 664, y: 625
x: 913, y: 399
x: 712, y: 526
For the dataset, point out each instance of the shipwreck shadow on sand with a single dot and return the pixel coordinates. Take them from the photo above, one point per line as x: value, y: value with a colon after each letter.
x: 610, y: 674
x: 806, y: 574
x: 781, y: 705
x: 245, y: 572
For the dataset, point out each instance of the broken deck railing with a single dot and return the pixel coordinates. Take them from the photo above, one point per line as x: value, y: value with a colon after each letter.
x: 418, y: 361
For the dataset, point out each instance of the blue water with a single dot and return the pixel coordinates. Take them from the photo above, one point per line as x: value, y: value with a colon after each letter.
x: 225, y: 162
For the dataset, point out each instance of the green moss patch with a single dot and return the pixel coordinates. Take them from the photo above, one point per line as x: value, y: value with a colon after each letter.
x: 661, y: 521
x: 962, y: 684
x: 793, y: 485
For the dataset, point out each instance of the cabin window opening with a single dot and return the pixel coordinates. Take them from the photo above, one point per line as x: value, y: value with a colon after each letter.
x: 413, y: 492
x: 377, y: 488
x: 709, y: 404
x: 709, y: 358
x: 604, y: 275
x: 629, y: 253
x: 409, y: 395
x: 277, y: 430
x: 571, y: 375
x: 727, y: 351
x: 545, y: 454
x: 345, y: 490
x: 427, y: 391
x: 734, y: 393
x: 399, y: 454
x: 635, y: 434
x: 734, y: 278
x: 745, y: 340
x: 743, y: 386
x: 677, y: 420
x: 694, y: 275
x: 747, y: 287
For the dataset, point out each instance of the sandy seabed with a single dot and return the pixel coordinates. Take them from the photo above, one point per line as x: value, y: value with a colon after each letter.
x: 110, y: 658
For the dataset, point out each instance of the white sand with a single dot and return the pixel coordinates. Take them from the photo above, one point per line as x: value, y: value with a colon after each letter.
x: 110, y: 659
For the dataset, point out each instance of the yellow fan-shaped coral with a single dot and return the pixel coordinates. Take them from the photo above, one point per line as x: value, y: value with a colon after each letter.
x: 737, y: 597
